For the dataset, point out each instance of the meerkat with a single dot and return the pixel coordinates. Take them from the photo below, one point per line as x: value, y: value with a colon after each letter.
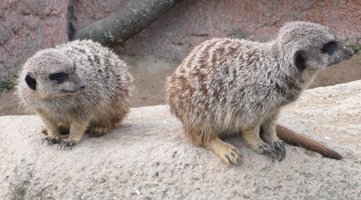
x: 76, y: 87
x: 230, y: 86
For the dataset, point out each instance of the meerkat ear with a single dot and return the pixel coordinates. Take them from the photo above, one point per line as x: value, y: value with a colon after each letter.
x: 300, y: 59
x: 31, y: 82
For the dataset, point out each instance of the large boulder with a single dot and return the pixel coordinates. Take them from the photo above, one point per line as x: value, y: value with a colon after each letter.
x: 148, y: 157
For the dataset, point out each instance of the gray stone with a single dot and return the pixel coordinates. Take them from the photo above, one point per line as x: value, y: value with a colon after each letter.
x: 148, y: 157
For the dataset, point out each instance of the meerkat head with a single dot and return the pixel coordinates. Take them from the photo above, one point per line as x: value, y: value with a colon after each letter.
x: 311, y: 46
x: 50, y: 73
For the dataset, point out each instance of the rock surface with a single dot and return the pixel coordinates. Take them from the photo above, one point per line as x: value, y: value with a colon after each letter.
x: 148, y: 157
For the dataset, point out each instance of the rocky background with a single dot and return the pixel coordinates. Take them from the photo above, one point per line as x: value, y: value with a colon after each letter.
x: 26, y: 27
x: 148, y: 157
x: 30, y: 25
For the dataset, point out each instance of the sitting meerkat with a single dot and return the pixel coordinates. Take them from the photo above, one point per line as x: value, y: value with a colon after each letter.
x: 227, y: 86
x: 76, y: 87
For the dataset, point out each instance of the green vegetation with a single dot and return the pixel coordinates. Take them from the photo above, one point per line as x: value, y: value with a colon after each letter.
x: 19, y: 192
x: 7, y: 84
x: 356, y: 47
x: 21, y: 180
x: 9, y: 81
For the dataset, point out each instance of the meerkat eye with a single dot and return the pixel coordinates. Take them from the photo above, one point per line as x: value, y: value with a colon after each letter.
x: 329, y: 48
x: 59, y: 77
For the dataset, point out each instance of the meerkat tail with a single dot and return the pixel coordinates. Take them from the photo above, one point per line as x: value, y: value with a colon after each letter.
x: 293, y: 138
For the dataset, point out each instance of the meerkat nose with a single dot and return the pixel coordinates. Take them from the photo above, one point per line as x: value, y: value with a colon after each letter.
x: 81, y: 85
x: 351, y: 53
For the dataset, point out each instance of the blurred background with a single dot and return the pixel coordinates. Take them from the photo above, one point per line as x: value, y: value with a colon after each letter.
x: 154, y: 52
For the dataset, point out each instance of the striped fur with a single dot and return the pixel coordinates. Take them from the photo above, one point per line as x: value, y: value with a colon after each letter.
x: 228, y: 86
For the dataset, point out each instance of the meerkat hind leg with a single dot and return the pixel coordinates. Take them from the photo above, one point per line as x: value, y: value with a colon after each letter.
x: 269, y: 135
x: 226, y: 152
x: 97, y: 131
x: 253, y: 139
x: 277, y: 144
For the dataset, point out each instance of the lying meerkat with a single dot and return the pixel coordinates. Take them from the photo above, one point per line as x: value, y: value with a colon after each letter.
x: 227, y: 86
x: 76, y: 87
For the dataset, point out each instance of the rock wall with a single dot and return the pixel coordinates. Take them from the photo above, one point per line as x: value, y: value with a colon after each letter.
x: 30, y: 25
x: 148, y: 157
x: 193, y: 21
x: 26, y: 27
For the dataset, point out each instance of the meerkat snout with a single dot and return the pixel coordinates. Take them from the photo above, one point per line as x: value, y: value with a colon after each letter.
x: 81, y: 86
x: 337, y: 52
x: 349, y: 53
x: 67, y: 82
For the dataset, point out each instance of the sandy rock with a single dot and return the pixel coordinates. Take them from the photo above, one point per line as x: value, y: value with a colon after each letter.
x: 148, y: 157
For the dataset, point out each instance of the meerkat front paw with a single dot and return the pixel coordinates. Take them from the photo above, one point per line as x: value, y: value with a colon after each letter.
x: 67, y: 143
x: 70, y: 142
x: 231, y: 156
x: 226, y: 152
x: 50, y: 139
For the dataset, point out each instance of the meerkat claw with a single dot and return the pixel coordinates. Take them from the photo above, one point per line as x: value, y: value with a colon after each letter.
x: 280, y: 149
x: 269, y: 151
x: 98, y: 131
x: 65, y: 144
x: 50, y: 140
x: 234, y: 157
x: 44, y: 131
x: 234, y: 161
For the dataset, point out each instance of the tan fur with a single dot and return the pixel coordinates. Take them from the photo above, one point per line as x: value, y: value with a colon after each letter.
x: 76, y: 87
x: 230, y: 86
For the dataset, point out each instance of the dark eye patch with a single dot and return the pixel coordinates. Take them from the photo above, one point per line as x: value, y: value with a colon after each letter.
x: 59, y: 77
x: 330, y: 48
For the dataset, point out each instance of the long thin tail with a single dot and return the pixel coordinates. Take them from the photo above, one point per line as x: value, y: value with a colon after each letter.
x: 296, y: 139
